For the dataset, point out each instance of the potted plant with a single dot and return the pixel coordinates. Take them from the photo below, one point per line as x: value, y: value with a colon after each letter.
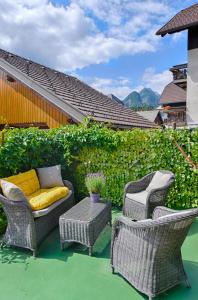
x: 95, y: 182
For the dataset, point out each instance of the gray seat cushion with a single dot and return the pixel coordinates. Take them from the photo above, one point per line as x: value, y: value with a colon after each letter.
x: 45, y: 211
x: 140, y: 197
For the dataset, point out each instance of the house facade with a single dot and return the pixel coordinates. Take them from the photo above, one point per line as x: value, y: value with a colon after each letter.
x: 34, y: 95
x: 173, y: 98
x: 187, y: 19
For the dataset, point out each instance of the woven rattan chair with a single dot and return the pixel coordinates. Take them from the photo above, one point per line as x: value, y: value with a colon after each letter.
x: 26, y: 231
x: 139, y: 204
x: 148, y: 253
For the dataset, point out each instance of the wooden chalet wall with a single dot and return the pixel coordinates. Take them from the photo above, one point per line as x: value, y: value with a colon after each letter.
x: 19, y: 104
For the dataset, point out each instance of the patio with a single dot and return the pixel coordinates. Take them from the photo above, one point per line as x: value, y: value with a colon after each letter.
x: 73, y: 275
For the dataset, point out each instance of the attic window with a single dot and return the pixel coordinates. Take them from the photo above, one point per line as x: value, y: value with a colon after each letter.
x: 10, y: 79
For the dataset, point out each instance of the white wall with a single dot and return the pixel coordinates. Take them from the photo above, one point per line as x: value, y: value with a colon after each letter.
x: 192, y: 88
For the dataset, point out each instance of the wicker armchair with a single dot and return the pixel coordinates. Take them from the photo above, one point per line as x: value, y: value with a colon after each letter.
x: 139, y: 209
x: 26, y: 231
x: 148, y: 253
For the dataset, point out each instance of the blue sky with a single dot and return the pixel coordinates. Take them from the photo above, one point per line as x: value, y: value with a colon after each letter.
x: 109, y: 44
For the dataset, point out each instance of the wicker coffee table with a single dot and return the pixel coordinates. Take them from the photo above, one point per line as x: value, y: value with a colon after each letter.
x: 84, y: 222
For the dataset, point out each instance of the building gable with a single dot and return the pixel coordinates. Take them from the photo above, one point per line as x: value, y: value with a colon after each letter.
x: 70, y: 94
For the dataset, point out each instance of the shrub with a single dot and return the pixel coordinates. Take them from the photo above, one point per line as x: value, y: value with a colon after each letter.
x: 139, y: 153
x: 122, y: 156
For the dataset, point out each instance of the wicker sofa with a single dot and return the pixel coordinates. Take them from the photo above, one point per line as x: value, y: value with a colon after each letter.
x: 148, y: 253
x: 138, y: 204
x: 27, y: 228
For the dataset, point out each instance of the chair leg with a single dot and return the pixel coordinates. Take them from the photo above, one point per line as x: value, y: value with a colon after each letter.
x: 90, y: 250
x: 150, y: 297
x: 187, y: 283
x: 62, y: 246
x: 113, y: 270
x: 1, y: 245
x: 35, y: 252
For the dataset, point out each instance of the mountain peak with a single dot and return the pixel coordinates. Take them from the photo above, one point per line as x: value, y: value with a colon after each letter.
x: 145, y: 97
x: 133, y: 99
x: 146, y: 89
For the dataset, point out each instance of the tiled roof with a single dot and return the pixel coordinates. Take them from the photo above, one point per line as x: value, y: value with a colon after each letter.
x: 113, y: 97
x: 172, y: 93
x: 77, y: 94
x: 151, y: 115
x: 184, y: 19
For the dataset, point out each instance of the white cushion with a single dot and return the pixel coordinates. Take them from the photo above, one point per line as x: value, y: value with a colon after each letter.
x: 139, y: 197
x: 45, y: 211
x: 177, y: 214
x: 145, y: 221
x: 11, y: 191
x: 158, y: 181
x: 50, y: 177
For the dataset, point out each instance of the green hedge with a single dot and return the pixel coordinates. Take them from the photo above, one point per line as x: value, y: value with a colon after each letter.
x: 139, y: 153
x: 122, y: 156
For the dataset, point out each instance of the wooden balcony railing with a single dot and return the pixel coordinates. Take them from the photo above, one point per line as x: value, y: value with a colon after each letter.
x: 179, y: 72
x: 178, y: 118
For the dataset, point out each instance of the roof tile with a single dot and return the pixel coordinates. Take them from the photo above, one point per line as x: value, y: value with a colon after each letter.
x: 172, y: 93
x: 185, y: 19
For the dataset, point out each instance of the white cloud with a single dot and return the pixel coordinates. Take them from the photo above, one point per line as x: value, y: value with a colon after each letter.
x: 117, y: 12
x: 156, y: 81
x: 68, y: 37
x: 44, y: 32
x: 178, y: 35
x: 120, y: 87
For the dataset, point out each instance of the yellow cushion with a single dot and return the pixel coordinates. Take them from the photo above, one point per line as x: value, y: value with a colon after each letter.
x: 45, y: 197
x: 28, y: 182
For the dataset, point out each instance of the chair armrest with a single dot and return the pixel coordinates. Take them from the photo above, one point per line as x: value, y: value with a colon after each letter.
x: 123, y: 220
x: 160, y: 211
x: 68, y: 184
x: 176, y: 215
x: 139, y: 185
x: 19, y: 203
x: 127, y: 222
x: 20, y: 229
x: 19, y: 208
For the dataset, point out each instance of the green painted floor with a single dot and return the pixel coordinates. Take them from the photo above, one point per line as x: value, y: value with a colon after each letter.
x: 73, y: 275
